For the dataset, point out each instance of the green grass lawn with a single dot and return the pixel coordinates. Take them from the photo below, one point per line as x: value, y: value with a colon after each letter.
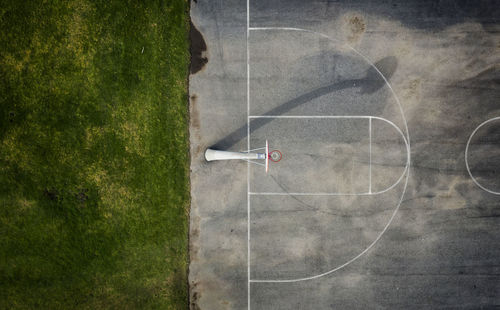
x: 94, y: 161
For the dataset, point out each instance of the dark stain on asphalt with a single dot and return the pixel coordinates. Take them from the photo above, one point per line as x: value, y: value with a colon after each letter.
x: 194, y: 300
x: 197, y: 49
x: 195, y: 114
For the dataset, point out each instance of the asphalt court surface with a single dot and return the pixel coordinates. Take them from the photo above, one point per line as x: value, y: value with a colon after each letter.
x: 328, y: 123
x: 387, y: 194
x: 288, y: 76
x: 320, y: 234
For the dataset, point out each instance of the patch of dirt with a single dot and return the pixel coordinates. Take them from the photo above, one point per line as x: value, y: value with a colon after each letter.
x: 194, y: 298
x: 355, y: 27
x: 195, y: 115
x: 194, y: 235
x: 194, y: 238
x: 195, y: 122
x: 51, y: 194
x: 82, y: 196
x: 413, y: 89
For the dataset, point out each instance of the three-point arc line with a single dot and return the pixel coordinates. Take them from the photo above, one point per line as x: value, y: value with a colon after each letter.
x: 406, y: 138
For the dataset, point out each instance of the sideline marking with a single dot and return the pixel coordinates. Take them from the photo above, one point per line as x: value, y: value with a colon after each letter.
x: 248, y: 149
x: 466, y: 155
x: 407, y: 140
x: 370, y: 171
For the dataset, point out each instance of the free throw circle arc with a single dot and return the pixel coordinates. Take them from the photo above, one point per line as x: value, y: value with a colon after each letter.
x: 467, y: 146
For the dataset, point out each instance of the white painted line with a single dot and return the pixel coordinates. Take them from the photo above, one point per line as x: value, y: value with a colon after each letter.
x: 318, y: 116
x: 334, y: 117
x: 405, y: 137
x: 370, y: 169
x: 330, y: 194
x: 257, y: 149
x: 254, y: 162
x: 289, y: 29
x: 466, y: 155
x: 248, y: 148
x: 308, y: 194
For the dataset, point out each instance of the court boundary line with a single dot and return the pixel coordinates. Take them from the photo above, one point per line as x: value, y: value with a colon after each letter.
x: 466, y: 155
x: 248, y: 141
x: 248, y: 149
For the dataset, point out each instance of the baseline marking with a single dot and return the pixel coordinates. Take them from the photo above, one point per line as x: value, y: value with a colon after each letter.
x: 466, y: 155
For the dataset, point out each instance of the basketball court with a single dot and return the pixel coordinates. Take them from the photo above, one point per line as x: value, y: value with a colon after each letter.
x: 339, y: 218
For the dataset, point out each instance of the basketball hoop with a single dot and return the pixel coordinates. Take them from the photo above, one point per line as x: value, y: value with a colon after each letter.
x: 249, y: 156
x: 275, y: 156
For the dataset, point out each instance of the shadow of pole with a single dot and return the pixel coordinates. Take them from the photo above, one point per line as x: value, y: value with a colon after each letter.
x: 369, y: 84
